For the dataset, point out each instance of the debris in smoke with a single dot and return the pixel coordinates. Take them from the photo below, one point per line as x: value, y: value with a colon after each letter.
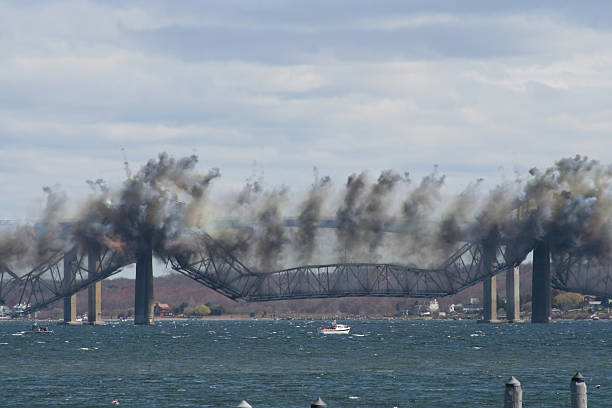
x: 310, y: 214
x: 270, y: 233
x: 347, y: 215
x: 47, y: 233
x: 568, y: 204
x: 249, y: 193
x: 458, y: 217
x: 157, y: 201
x: 418, y: 230
x: 374, y: 217
x: 363, y: 218
x: 99, y: 185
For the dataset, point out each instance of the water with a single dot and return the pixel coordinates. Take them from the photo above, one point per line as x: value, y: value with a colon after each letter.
x: 288, y: 364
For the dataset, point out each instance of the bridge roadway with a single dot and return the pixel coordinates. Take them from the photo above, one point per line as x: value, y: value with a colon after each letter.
x: 62, y: 275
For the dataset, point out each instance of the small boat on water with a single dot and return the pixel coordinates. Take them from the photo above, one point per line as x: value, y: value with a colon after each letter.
x: 335, y: 328
x: 39, y: 329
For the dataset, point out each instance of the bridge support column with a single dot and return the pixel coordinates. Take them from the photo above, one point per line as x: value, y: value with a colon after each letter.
x: 513, y: 300
x: 69, y: 275
x: 143, y: 299
x: 489, y: 284
x: 489, y: 299
x: 541, y: 293
x: 94, y: 291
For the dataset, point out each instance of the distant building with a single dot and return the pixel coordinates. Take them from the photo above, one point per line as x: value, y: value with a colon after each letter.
x: 472, y: 309
x: 424, y: 310
x: 162, y: 310
x: 19, y: 308
x: 419, y: 309
x: 455, y: 308
x: 592, y: 303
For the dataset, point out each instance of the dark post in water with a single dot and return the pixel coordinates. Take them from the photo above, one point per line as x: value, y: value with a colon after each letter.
x: 94, y: 291
x: 513, y: 312
x: 319, y: 403
x: 513, y: 396
x: 69, y: 275
x: 143, y: 300
x: 578, y: 391
x: 541, y: 302
x: 489, y: 284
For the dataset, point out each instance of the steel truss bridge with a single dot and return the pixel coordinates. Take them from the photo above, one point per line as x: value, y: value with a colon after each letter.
x: 65, y: 273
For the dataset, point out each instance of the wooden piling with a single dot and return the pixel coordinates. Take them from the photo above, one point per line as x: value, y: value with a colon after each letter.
x: 578, y: 390
x: 319, y: 403
x: 513, y: 395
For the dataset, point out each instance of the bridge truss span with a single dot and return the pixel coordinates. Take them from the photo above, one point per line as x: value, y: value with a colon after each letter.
x: 469, y: 264
x: 63, y: 274
x: 345, y: 280
x: 587, y: 275
x: 215, y: 267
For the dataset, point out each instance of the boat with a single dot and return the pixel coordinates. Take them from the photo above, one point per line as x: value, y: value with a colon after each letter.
x: 335, y: 328
x: 40, y: 329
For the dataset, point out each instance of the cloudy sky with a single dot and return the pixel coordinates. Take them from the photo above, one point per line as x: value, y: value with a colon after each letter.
x: 274, y: 88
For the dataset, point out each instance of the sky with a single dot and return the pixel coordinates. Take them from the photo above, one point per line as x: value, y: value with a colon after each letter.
x: 274, y: 88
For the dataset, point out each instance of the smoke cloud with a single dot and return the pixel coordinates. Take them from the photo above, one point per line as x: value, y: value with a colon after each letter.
x: 310, y: 215
x: 168, y: 201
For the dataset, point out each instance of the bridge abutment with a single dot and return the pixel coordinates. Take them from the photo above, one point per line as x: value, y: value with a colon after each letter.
x: 94, y: 290
x: 541, y: 303
x: 513, y: 302
x: 143, y: 299
x: 69, y: 276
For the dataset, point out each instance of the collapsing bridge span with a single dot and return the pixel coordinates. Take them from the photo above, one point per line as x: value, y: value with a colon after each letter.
x: 217, y: 268
x: 468, y: 265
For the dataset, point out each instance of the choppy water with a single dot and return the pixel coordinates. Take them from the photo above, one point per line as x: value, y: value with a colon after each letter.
x: 288, y: 364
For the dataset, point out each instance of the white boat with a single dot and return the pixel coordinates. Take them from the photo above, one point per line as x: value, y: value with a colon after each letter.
x: 335, y: 328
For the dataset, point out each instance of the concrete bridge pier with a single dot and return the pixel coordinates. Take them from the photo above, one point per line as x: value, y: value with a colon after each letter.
x: 69, y: 276
x: 94, y: 291
x: 541, y: 303
x: 489, y: 299
x: 513, y: 300
x: 489, y: 284
x: 143, y: 299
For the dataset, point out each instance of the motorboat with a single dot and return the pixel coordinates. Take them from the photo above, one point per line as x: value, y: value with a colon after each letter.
x: 39, y: 329
x: 335, y: 328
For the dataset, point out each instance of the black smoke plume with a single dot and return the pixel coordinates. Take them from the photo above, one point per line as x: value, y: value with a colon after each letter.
x: 167, y: 201
x: 270, y: 234
x: 155, y: 203
x: 310, y: 215
x: 347, y: 216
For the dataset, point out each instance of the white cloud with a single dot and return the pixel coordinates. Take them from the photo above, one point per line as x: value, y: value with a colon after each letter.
x: 470, y: 90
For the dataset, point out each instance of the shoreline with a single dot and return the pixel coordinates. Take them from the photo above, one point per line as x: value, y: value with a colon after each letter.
x: 244, y: 317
